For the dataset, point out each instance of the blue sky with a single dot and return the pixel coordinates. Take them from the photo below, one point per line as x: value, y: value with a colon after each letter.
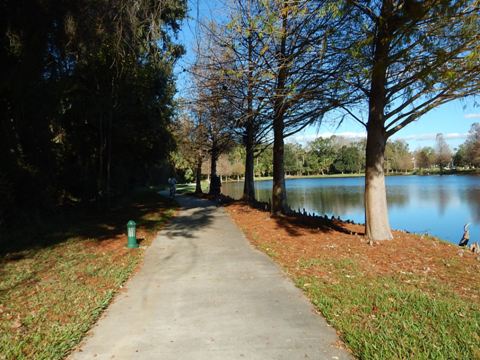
x: 453, y: 120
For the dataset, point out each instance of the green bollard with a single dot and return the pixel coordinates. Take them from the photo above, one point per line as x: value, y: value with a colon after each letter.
x: 132, y: 237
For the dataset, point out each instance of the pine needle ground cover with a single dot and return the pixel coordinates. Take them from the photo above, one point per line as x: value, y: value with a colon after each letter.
x: 414, y: 297
x: 51, y: 295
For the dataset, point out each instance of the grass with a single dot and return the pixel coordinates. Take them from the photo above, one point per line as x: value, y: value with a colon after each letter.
x: 414, y: 297
x: 415, y: 172
x: 189, y: 188
x: 51, y: 295
x: 401, y: 316
x: 383, y: 318
x: 267, y: 250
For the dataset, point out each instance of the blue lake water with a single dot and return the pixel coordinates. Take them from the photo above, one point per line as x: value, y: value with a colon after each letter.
x: 438, y: 205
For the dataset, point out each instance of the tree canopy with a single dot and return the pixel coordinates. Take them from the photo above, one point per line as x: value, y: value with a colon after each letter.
x: 86, y: 96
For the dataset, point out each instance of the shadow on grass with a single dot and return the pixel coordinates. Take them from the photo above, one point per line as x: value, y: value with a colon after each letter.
x: 147, y: 208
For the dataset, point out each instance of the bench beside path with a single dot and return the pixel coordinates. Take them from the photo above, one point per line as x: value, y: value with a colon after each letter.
x: 204, y: 293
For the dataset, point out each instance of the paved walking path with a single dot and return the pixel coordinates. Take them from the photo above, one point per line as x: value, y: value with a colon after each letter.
x: 203, y: 293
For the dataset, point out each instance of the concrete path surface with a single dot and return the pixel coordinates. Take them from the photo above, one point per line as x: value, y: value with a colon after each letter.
x: 204, y: 293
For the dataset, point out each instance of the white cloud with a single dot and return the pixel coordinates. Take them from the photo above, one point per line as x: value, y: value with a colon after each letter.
x: 301, y: 138
x: 433, y: 136
x: 472, y: 116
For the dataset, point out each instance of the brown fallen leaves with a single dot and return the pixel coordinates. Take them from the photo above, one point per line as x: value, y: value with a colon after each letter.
x: 293, y: 241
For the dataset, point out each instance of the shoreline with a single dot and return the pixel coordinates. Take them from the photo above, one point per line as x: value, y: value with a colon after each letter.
x: 319, y: 176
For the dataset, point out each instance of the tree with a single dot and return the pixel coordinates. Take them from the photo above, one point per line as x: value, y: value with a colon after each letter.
x: 468, y: 153
x: 294, y: 159
x: 237, y: 159
x: 86, y: 98
x: 242, y: 39
x: 397, y: 156
x: 425, y: 157
x: 443, y: 154
x: 408, y: 57
x: 460, y: 157
x: 347, y: 160
x: 225, y: 167
x: 264, y: 162
x: 323, y: 154
x: 190, y: 134
x: 472, y: 145
x: 302, y: 72
x: 211, y: 106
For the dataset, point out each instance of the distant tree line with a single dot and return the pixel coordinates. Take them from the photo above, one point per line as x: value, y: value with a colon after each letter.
x: 86, y: 99
x: 441, y: 156
x: 338, y: 155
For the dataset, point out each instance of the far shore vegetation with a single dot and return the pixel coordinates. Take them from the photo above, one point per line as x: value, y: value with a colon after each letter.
x: 423, y: 172
x: 341, y: 157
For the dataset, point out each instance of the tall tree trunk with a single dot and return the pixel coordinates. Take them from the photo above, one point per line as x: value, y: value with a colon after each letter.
x: 279, y: 194
x: 198, y: 176
x: 249, y: 184
x: 101, y: 154
x: 109, y: 142
x: 101, y: 150
x: 85, y: 164
x: 377, y: 226
x: 109, y: 156
x: 215, y: 182
x: 213, y: 163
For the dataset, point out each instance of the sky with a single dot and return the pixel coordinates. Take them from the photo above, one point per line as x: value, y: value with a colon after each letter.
x: 453, y: 119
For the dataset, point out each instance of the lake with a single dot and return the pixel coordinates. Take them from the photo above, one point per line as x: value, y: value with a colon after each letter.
x: 438, y: 205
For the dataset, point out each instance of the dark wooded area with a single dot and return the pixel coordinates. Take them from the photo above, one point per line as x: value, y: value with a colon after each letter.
x: 86, y: 97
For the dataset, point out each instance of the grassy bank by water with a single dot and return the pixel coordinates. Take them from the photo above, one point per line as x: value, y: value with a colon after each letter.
x: 411, y: 298
x: 190, y: 187
x: 51, y: 295
x: 416, y: 172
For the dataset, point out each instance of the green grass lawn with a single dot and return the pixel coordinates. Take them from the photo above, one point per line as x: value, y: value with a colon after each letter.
x: 52, y: 294
x: 399, y: 316
x: 189, y: 188
x: 383, y: 318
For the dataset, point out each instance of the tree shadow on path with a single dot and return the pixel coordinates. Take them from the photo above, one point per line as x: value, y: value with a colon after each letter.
x: 194, y: 217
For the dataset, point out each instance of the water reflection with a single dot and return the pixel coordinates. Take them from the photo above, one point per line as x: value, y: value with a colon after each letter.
x: 439, y: 205
x: 473, y: 196
x: 443, y: 200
